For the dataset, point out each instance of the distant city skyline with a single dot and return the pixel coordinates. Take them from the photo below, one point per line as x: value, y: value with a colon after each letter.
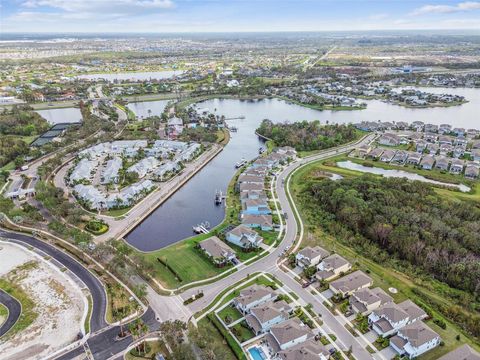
x: 161, y: 16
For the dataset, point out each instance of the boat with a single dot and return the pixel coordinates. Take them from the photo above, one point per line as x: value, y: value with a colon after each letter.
x: 240, y: 163
x: 218, y: 197
x: 202, y: 228
x: 232, y: 129
x: 261, y: 150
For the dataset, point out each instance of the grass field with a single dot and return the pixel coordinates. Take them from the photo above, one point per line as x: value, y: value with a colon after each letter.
x: 154, y: 347
x: 384, y: 277
x: 230, y: 312
x: 3, y: 313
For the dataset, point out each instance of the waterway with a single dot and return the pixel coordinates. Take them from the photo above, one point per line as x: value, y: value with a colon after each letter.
x: 62, y: 115
x: 193, y: 203
x: 132, y: 76
x: 350, y: 165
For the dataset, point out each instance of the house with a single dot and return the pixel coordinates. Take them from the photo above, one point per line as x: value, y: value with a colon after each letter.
x: 262, y: 317
x: 417, y: 125
x: 458, y: 151
x: 463, y: 352
x: 331, y: 267
x: 217, y: 250
x: 263, y: 222
x: 310, y: 256
x: 287, y: 151
x: 476, y: 144
x: 414, y: 158
x: 459, y: 131
x: 253, y: 296
x: 476, y: 154
x: 445, y: 128
x: 350, y: 283
x: 472, y: 171
x: 446, y: 149
x: 364, y: 301
x: 255, y: 207
x: 441, y: 163
x: 110, y: 173
x: 389, y: 139
x: 431, y: 128
x: 457, y: 166
x: 414, y: 340
x: 288, y: 334
x: 427, y: 162
x: 251, y: 179
x: 400, y: 157
x: 444, y: 139
x: 430, y: 137
x: 375, y: 153
x: 166, y: 170
x: 389, y: 318
x: 251, y: 186
x: 308, y: 350
x: 144, y: 166
x: 421, y: 145
x: 387, y: 155
x: 253, y: 195
x: 460, y: 140
x: 84, y: 171
x: 244, y: 237
x: 433, y: 148
x: 362, y: 151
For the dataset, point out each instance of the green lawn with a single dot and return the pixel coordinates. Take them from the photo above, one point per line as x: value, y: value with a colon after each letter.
x: 242, y: 332
x: 384, y: 277
x: 153, y: 348
x: 230, y: 312
x: 3, y: 313
x: 117, y: 212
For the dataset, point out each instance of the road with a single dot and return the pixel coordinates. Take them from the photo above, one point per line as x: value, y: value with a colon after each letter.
x: 14, y: 311
x: 99, y: 297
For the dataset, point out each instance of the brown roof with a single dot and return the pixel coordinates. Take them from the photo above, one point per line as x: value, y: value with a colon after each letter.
x: 241, y: 230
x: 216, y: 247
x: 290, y: 330
x: 418, y: 333
x: 413, y: 310
x: 308, y: 350
x: 352, y: 281
x: 270, y: 310
x: 254, y: 293
x: 371, y: 296
x: 392, y: 312
x: 250, y: 186
x: 463, y: 352
x: 334, y: 261
x: 311, y: 253
x: 262, y: 220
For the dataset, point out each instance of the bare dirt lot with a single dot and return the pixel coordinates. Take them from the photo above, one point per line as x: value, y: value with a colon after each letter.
x: 57, y: 305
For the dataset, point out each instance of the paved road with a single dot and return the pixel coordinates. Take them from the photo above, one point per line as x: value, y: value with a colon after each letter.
x: 99, y: 297
x: 14, y: 311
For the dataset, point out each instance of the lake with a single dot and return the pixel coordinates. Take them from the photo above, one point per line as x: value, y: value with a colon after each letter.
x: 133, y: 76
x: 141, y: 108
x: 63, y: 115
x: 398, y: 174
x: 193, y: 203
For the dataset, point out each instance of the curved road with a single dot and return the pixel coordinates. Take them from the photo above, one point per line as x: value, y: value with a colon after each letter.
x: 14, y: 311
x: 99, y: 297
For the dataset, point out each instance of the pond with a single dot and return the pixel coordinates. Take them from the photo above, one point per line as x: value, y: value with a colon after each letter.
x: 398, y: 174
x: 194, y: 202
x: 145, y: 109
x: 133, y: 76
x: 62, y: 115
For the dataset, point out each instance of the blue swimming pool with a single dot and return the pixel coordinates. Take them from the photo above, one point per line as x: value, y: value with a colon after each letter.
x: 256, y: 353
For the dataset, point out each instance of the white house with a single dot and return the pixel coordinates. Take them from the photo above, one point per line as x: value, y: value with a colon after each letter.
x: 253, y: 296
x: 263, y: 317
x: 288, y: 334
x: 414, y: 340
x: 331, y: 267
x: 310, y: 256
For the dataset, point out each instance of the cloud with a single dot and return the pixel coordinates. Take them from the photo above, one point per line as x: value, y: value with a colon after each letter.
x: 99, y: 5
x: 446, y: 9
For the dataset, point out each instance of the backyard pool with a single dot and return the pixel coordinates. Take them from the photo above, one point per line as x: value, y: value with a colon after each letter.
x: 256, y: 353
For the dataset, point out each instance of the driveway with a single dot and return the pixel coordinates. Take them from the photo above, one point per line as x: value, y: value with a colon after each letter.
x: 388, y: 353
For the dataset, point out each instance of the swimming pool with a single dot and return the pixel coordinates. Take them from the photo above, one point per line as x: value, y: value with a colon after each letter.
x: 256, y: 353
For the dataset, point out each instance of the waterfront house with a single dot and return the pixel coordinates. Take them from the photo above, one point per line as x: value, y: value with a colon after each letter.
x: 464, y: 352
x: 431, y: 128
x: 288, y: 334
x: 457, y: 166
x: 308, y: 350
x: 166, y: 170
x: 387, y: 155
x: 244, y: 187
x: 375, y: 153
x: 91, y: 196
x: 287, y: 151
x: 251, y: 179
x: 244, y: 237
x: 442, y: 163
x: 331, y: 267
x: 253, y: 195
x: 310, y: 256
x: 414, y: 158
x: 263, y: 222
x: 362, y: 151
x: 262, y: 317
x: 400, y: 157
x: 217, y: 250
x: 389, y: 139
x: 427, y: 162
x: 144, y: 166
x: 255, y: 207
x: 445, y: 128
x: 417, y: 125
x: 472, y: 171
x: 459, y: 131
x: 390, y: 317
x: 253, y: 296
x: 414, y: 340
x: 364, y: 301
x: 350, y: 283
x: 128, y: 148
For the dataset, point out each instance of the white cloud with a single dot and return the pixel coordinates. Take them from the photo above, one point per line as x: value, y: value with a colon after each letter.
x: 447, y: 9
x: 99, y: 5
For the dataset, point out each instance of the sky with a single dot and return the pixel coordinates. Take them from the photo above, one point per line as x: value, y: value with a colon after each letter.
x: 160, y: 16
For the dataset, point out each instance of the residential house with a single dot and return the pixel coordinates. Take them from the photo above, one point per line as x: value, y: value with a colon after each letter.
x: 331, y: 267
x: 389, y: 139
x: 400, y: 157
x: 446, y: 149
x: 217, y: 250
x: 255, y: 207
x: 253, y: 296
x: 84, y: 171
x: 262, y: 317
x: 387, y: 155
x: 476, y: 144
x: 458, y: 151
x: 430, y: 137
x: 287, y: 334
x: 144, y: 166
x: 421, y: 145
x: 362, y: 151
x: 418, y: 126
x: 472, y: 171
x: 431, y: 128
x: 445, y: 128
x: 445, y: 139
x: 244, y: 237
x: 364, y: 301
x: 310, y: 256
x: 433, y: 148
x: 442, y: 163
x: 166, y: 170
x: 464, y: 352
x: 110, y: 173
x: 457, y: 166
x: 350, y: 283
x: 414, y: 340
x: 375, y: 153
x: 251, y: 179
x: 389, y: 318
x: 427, y: 162
x: 460, y: 140
x: 414, y: 158
x: 263, y: 222
x: 251, y: 187
x: 459, y: 131
x: 476, y: 154
x: 308, y: 350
